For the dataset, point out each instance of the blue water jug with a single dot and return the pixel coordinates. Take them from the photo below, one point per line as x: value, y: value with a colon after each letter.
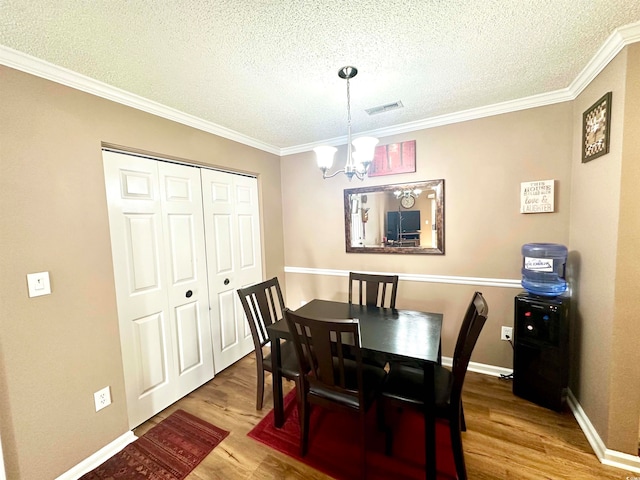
x: 543, y: 269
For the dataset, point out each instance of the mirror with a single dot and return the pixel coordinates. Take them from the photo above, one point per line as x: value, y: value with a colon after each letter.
x: 400, y: 218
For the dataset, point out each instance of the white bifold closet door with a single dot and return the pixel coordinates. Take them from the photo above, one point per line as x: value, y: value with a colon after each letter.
x: 234, y: 259
x: 159, y: 248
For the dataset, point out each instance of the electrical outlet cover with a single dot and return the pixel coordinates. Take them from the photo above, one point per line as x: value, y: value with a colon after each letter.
x: 38, y: 284
x: 102, y: 398
x: 506, y: 333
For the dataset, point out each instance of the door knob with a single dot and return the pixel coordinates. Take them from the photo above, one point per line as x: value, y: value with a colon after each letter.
x: 226, y: 281
x: 189, y: 293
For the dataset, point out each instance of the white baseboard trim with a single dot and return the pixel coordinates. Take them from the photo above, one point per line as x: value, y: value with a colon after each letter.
x: 605, y: 455
x: 483, y: 368
x: 413, y: 277
x: 99, y: 457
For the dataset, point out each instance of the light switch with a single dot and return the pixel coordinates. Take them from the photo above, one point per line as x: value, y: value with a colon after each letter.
x: 38, y: 284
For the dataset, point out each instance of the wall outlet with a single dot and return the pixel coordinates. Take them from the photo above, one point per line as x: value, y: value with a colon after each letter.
x: 102, y: 398
x: 506, y: 333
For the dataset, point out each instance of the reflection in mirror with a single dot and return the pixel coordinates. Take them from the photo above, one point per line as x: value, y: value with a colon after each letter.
x: 401, y: 218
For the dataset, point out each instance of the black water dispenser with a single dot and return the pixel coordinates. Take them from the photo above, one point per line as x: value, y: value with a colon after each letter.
x: 541, y: 349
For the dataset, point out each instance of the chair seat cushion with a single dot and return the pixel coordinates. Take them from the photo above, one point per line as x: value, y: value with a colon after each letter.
x: 407, y: 384
x: 288, y: 360
x: 372, y: 377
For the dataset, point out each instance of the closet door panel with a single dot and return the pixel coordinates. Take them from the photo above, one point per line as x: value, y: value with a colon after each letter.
x: 234, y: 258
x: 183, y: 227
x: 137, y: 241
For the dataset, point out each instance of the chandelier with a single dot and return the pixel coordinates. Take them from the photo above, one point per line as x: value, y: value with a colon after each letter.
x: 407, y: 193
x: 407, y: 197
x: 358, y: 161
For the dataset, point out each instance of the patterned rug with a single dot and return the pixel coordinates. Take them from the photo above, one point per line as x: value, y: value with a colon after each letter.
x: 334, y: 443
x: 168, y: 451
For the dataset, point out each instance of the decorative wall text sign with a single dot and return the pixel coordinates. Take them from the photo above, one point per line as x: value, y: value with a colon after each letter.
x: 536, y: 197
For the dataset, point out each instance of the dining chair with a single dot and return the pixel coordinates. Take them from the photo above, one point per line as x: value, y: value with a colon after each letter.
x: 263, y: 305
x: 374, y: 288
x: 404, y: 386
x: 330, y: 379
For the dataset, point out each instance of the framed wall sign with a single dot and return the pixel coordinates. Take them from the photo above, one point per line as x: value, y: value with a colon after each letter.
x: 596, y: 125
x: 537, y: 197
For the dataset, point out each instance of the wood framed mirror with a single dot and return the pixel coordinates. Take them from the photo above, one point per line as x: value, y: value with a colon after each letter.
x: 403, y: 218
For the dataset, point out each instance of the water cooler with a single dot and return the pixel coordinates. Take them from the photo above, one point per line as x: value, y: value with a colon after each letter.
x: 541, y: 349
x: 541, y: 328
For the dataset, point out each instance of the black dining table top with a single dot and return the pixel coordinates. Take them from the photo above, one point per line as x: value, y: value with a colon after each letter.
x: 403, y: 333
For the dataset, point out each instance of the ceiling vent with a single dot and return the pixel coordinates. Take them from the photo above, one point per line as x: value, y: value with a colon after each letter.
x: 384, y: 108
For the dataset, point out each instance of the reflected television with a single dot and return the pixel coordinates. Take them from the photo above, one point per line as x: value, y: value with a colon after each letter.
x: 403, y: 224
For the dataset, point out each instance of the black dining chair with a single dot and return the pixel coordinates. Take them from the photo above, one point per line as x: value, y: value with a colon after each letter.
x: 263, y: 305
x: 330, y: 379
x: 404, y: 386
x: 378, y: 290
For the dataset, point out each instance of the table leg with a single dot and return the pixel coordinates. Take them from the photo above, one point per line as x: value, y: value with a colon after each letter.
x: 429, y: 421
x: 276, y: 380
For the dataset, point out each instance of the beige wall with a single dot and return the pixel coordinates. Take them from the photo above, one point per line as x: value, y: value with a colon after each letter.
x: 624, y: 395
x: 595, y: 197
x: 605, y: 231
x: 56, y: 350
x: 483, y: 163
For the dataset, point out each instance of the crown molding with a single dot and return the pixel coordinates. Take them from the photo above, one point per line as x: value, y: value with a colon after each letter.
x: 448, y: 119
x: 40, y: 68
x: 620, y: 38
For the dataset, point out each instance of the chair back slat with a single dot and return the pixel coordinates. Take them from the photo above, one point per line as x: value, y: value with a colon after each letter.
x: 263, y: 305
x: 378, y: 290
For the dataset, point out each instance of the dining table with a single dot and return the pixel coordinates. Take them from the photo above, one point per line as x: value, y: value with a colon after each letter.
x: 399, y: 334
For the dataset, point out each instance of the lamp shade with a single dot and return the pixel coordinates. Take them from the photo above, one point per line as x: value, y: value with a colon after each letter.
x: 324, y: 156
x: 365, y: 147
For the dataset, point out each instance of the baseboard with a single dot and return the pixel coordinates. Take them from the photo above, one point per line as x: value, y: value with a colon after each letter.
x: 481, y: 368
x: 606, y: 456
x: 99, y: 457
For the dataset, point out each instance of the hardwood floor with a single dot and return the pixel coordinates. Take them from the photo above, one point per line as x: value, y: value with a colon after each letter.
x: 507, y: 437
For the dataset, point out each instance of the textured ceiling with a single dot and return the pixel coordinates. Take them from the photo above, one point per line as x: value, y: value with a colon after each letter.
x: 268, y: 68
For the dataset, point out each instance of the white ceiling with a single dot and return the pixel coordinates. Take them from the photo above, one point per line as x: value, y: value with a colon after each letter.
x: 265, y: 71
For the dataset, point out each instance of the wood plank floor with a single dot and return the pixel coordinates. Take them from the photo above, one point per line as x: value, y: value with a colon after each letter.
x: 507, y: 437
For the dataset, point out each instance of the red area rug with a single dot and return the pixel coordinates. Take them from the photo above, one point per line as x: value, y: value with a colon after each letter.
x: 168, y: 451
x: 334, y: 443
